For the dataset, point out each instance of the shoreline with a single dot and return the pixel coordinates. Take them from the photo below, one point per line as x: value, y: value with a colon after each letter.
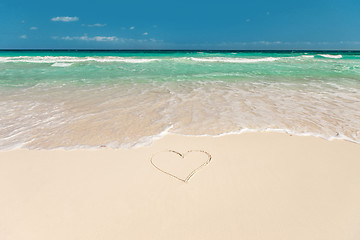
x: 256, y: 186
x: 165, y: 133
x: 196, y: 93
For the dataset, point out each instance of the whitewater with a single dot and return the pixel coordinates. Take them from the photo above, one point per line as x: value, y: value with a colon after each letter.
x: 122, y: 99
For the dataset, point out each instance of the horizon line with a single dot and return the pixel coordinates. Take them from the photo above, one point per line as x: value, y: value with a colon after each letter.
x: 214, y: 50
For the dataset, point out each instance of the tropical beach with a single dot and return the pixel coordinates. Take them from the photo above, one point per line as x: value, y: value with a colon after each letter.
x: 89, y: 99
x: 181, y: 120
x: 182, y: 145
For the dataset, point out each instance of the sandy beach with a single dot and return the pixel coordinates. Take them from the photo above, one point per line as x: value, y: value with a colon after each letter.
x: 180, y: 120
x: 251, y: 186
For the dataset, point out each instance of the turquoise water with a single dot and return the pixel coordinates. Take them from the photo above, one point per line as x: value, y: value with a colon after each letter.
x: 71, y: 99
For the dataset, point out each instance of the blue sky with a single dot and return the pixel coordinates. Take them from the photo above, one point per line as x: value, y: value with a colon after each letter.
x: 185, y: 24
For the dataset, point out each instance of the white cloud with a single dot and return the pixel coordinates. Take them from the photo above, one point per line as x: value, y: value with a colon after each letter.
x: 145, y: 33
x: 132, y: 28
x: 350, y: 42
x: 23, y: 36
x: 97, y: 25
x: 266, y: 43
x: 104, y: 39
x: 33, y: 28
x: 65, y: 19
x: 251, y: 44
x: 109, y: 39
x: 285, y: 44
x: 96, y: 38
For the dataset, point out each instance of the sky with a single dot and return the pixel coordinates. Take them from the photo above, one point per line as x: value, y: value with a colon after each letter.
x: 180, y: 24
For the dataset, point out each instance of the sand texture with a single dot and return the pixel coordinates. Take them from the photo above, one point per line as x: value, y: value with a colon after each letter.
x: 248, y: 186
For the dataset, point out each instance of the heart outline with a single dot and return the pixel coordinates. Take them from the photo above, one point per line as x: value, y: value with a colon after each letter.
x: 183, y: 156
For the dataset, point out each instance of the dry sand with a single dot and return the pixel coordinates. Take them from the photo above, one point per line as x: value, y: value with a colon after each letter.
x: 255, y: 186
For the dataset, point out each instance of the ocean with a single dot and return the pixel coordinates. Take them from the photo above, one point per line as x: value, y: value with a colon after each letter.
x: 124, y: 99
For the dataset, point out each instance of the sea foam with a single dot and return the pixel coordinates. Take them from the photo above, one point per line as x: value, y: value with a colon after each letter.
x: 235, y: 60
x: 330, y: 56
x: 67, y: 59
x: 122, y: 101
x: 61, y: 64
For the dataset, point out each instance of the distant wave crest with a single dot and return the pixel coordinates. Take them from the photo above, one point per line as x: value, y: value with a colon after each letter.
x: 59, y: 61
x: 235, y: 60
x: 63, y: 61
x: 67, y: 59
x: 330, y: 56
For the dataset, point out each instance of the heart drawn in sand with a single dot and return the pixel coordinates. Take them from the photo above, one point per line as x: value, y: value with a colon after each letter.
x: 180, y: 166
